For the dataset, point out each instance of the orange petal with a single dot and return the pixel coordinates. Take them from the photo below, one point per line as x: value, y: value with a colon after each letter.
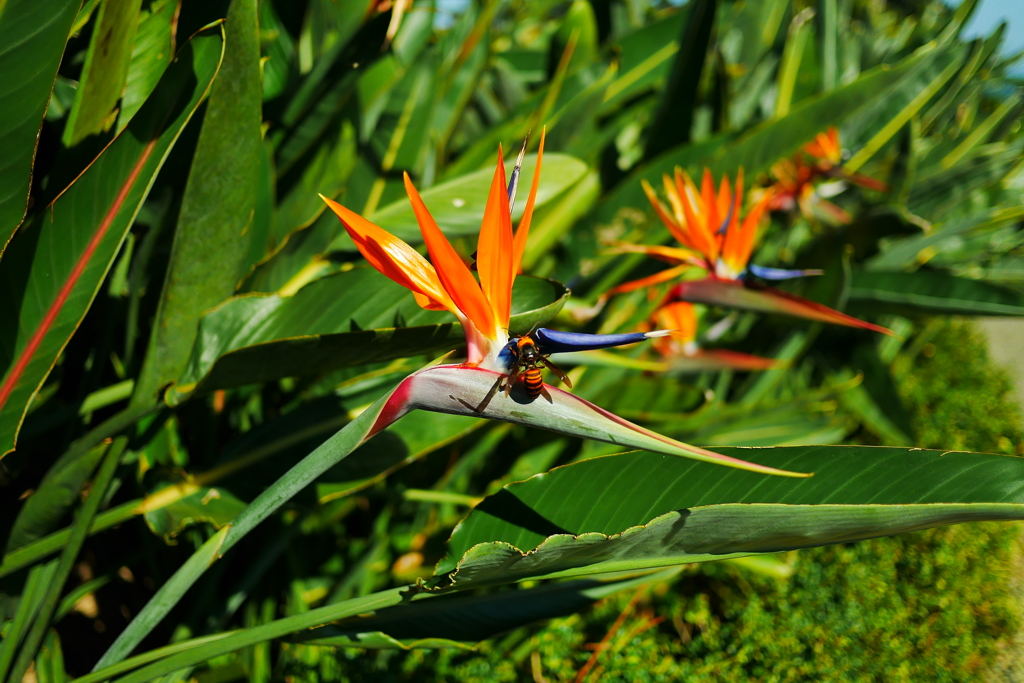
x: 494, y: 252
x: 710, y: 202
x: 697, y: 228
x: 674, y: 201
x: 678, y: 316
x: 659, y: 208
x: 452, y: 272
x: 732, y: 248
x: 523, y: 232
x: 650, y: 280
x: 724, y: 198
x: 826, y: 147
x: 673, y: 255
x: 394, y: 258
x: 748, y: 230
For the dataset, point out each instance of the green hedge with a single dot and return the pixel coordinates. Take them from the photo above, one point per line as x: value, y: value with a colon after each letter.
x: 938, y: 605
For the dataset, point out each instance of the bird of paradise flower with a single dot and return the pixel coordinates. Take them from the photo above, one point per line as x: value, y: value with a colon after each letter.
x: 716, y: 238
x: 796, y: 178
x: 483, y: 308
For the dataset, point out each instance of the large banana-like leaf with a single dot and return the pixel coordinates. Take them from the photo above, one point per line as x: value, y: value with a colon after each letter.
x: 211, y: 241
x: 932, y: 291
x: 53, y: 270
x: 32, y: 37
x: 349, y: 318
x: 639, y: 510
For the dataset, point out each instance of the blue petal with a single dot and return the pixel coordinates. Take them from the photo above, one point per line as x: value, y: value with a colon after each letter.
x: 779, y: 273
x: 554, y: 341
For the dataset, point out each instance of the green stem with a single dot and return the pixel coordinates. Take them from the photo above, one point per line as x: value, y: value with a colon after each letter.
x: 79, y: 531
x: 37, y: 550
x: 297, y: 478
x: 199, y: 650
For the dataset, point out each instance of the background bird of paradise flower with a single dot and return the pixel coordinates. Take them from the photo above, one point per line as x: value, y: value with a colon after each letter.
x: 194, y: 352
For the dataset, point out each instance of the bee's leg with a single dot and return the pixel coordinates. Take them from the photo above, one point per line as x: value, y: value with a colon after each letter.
x: 510, y: 379
x: 556, y: 371
x: 490, y: 394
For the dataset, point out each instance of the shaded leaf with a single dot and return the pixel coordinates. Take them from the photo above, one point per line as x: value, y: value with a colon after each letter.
x: 152, y: 51
x: 56, y: 495
x: 674, y: 117
x: 463, y: 621
x: 211, y: 241
x: 934, y: 292
x: 105, y: 72
x: 54, y: 269
x: 404, y: 442
x: 32, y: 37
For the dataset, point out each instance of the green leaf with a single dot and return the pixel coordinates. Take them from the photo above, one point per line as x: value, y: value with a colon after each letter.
x: 462, y: 621
x: 68, y: 556
x: 349, y: 318
x: 674, y: 117
x: 152, y: 51
x: 303, y: 473
x: 28, y: 606
x: 876, y: 124
x: 211, y: 242
x: 645, y: 58
x: 671, y: 511
x: 188, y: 653
x: 404, y: 442
x: 770, y: 141
x: 56, y: 494
x: 917, y: 249
x: 32, y: 37
x: 933, y: 292
x: 206, y: 504
x: 37, y: 550
x: 105, y: 72
x: 792, y: 55
x: 55, y: 267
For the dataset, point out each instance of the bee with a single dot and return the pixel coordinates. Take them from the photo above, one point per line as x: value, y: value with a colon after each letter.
x: 526, y: 362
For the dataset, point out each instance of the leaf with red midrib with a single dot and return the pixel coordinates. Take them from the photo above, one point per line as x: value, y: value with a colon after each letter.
x: 53, y: 268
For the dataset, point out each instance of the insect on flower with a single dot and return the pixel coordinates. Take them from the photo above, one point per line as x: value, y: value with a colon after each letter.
x: 483, y: 308
x: 527, y: 360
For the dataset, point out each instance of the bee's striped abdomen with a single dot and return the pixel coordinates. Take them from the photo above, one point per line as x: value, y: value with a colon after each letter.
x: 533, y: 382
